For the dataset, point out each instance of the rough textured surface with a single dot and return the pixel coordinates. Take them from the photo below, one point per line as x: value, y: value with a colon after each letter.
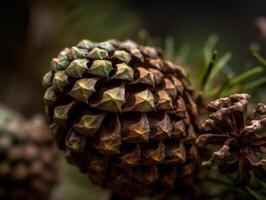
x: 122, y: 114
x: 28, y: 158
x: 242, y: 148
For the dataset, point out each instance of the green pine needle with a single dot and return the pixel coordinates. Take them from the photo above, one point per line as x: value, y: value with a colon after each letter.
x: 259, y: 58
x: 245, y: 76
x: 255, y: 84
x: 263, y: 184
x: 208, y: 49
x: 236, y: 83
x: 219, y: 65
x: 209, y: 70
x: 255, y: 194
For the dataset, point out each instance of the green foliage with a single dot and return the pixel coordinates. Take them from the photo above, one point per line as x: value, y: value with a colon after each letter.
x: 255, y: 53
x: 213, y: 73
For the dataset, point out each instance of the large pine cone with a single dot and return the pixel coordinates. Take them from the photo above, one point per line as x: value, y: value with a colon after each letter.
x: 122, y: 114
x: 28, y: 158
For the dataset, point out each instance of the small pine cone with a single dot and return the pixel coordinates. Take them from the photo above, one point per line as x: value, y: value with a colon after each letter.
x: 122, y: 114
x: 28, y: 158
x: 242, y: 148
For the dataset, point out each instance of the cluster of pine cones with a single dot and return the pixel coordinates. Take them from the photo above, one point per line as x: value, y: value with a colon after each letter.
x: 127, y: 118
x: 28, y: 158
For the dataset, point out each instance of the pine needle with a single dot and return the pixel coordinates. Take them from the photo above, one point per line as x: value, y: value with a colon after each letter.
x: 219, y: 65
x: 255, y: 84
x: 259, y: 58
x: 208, y: 70
x: 254, y: 194
x: 208, y: 49
x: 245, y: 76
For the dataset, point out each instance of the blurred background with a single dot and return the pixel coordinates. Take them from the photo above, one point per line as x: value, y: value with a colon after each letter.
x: 34, y: 31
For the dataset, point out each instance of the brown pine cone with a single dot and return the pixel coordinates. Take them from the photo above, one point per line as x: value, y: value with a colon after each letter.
x: 242, y: 148
x: 28, y: 158
x: 122, y: 114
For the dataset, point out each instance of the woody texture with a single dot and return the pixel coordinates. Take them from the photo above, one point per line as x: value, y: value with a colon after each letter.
x: 123, y: 115
x: 241, y: 139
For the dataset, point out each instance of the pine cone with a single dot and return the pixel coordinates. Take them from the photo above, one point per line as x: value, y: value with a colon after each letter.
x: 241, y: 143
x: 28, y: 168
x: 122, y: 114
